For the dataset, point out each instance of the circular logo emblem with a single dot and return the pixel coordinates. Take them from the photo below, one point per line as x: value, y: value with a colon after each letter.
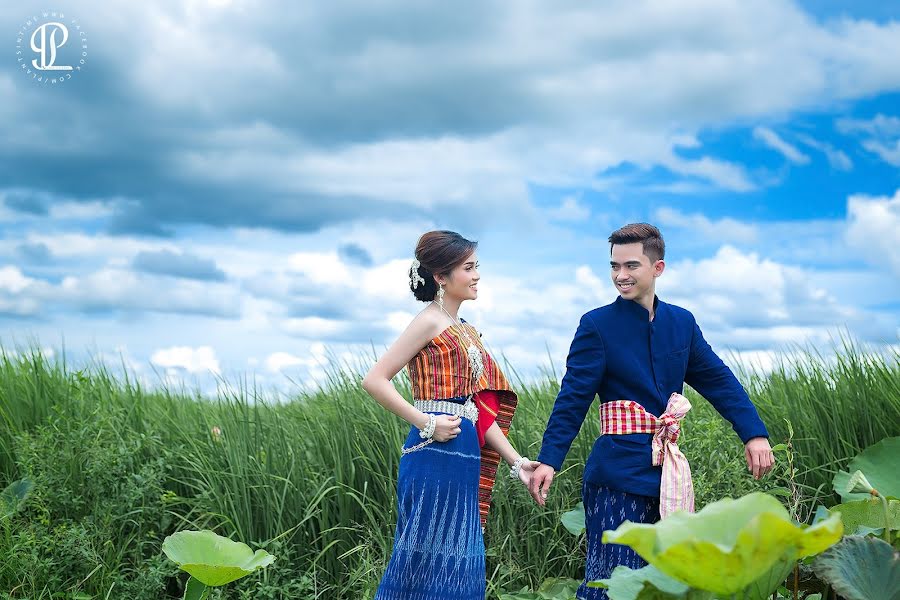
x: 51, y: 48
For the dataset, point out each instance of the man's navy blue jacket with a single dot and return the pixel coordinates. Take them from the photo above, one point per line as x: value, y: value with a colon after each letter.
x: 619, y: 354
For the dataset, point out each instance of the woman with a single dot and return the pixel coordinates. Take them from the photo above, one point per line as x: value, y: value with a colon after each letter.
x: 461, y: 415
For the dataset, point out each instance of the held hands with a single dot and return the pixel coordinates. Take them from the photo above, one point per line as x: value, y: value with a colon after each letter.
x: 759, y: 455
x: 527, y: 470
x: 540, y: 480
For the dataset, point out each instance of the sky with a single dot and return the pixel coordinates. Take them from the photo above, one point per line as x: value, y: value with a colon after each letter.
x: 232, y: 190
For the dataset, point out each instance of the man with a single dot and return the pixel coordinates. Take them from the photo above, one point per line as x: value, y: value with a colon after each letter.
x: 636, y: 354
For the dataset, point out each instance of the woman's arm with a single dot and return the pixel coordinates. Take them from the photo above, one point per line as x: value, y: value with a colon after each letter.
x: 377, y: 381
x: 495, y: 439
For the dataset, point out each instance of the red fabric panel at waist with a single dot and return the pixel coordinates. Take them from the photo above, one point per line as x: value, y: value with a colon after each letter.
x: 488, y: 403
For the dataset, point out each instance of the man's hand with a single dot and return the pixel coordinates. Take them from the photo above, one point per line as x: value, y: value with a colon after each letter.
x: 759, y: 455
x: 540, y: 482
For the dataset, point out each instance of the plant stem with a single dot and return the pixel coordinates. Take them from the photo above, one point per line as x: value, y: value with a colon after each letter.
x: 796, y: 581
x: 887, y: 518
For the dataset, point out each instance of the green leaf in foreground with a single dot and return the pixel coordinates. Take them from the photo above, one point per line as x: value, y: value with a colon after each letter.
x: 648, y: 583
x: 728, y: 545
x: 212, y: 559
x: 574, y: 520
x: 12, y: 497
x: 861, y: 568
x: 867, y: 514
x: 878, y: 463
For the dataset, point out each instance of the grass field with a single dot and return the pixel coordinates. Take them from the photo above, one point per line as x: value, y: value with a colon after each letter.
x: 117, y: 468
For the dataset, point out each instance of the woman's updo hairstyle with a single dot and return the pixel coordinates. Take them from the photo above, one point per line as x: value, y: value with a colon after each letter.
x: 438, y: 253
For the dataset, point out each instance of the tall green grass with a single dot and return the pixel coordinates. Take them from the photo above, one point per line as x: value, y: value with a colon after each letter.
x: 838, y: 404
x: 313, y: 479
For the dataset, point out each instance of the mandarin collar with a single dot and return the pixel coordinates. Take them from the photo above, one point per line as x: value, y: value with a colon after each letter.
x: 637, y: 310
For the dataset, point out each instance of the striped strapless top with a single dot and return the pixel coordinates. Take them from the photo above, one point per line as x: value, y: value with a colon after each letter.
x: 441, y: 370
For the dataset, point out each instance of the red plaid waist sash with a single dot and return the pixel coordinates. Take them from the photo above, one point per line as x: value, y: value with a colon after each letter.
x: 620, y: 417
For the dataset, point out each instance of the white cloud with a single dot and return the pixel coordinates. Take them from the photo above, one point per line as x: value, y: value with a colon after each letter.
x: 278, y: 361
x: 13, y: 280
x: 570, y: 209
x: 838, y: 159
x: 316, y: 327
x: 388, y: 282
x: 879, y: 125
x: 119, y: 289
x: 193, y: 360
x: 587, y: 279
x: 774, y: 141
x: 883, y: 135
x: 735, y: 291
x: 873, y: 229
x: 889, y: 152
x: 320, y: 267
x: 20, y: 294
x: 316, y: 360
x: 725, y: 229
x: 398, y: 320
x: 66, y: 244
x: 729, y: 176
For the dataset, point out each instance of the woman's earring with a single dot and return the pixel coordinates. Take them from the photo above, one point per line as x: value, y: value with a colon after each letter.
x: 440, y: 295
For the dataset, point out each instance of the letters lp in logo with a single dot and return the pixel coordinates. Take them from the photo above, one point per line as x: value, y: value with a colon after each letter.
x: 51, y: 47
x: 47, y: 45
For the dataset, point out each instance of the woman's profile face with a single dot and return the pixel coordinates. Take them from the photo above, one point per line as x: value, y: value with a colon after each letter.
x: 463, y: 280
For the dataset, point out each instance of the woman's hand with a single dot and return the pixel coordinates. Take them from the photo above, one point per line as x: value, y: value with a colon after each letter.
x: 446, y: 427
x: 527, y: 470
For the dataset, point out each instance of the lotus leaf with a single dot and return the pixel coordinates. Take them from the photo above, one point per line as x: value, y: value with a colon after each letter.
x: 867, y: 514
x: 648, y: 583
x: 878, y: 463
x: 212, y: 559
x: 729, y: 544
x: 574, y: 520
x: 861, y: 568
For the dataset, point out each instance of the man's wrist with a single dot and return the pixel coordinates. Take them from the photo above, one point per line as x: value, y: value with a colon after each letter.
x: 544, y: 459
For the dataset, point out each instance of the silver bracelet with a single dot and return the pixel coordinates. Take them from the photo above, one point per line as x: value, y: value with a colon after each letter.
x: 517, y: 467
x: 427, y: 432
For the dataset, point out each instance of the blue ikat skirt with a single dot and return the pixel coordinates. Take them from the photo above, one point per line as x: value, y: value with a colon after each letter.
x: 438, y: 551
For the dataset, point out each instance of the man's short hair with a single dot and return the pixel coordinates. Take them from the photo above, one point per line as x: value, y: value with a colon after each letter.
x: 649, y: 236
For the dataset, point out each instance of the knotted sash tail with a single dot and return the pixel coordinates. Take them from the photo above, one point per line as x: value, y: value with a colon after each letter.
x: 620, y: 417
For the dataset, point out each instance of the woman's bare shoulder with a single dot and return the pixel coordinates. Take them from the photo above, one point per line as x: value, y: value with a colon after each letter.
x: 428, y: 323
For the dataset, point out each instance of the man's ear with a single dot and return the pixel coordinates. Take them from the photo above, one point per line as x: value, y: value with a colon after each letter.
x: 659, y: 267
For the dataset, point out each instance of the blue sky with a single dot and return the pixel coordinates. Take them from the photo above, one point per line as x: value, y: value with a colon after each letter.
x: 233, y: 188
